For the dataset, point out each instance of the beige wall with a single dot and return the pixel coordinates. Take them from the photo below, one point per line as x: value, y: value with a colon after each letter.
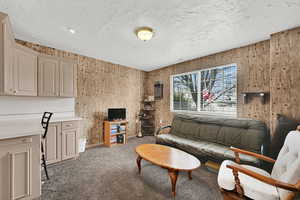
x: 101, y: 85
x: 271, y: 66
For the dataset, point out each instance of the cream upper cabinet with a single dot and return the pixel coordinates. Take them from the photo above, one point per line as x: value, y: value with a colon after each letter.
x: 56, y: 76
x: 25, y: 71
x: 18, y: 64
x: 7, y: 48
x: 48, y: 76
x: 68, y: 76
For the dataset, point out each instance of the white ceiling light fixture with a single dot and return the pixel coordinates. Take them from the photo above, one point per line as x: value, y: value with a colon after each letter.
x: 72, y: 31
x: 144, y: 33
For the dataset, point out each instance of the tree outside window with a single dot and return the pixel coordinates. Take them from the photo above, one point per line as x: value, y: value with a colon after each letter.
x: 209, y: 90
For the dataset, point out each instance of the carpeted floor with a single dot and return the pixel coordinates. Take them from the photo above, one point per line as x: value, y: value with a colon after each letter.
x: 111, y: 174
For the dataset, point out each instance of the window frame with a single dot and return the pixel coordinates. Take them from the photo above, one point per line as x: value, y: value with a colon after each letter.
x: 199, y: 111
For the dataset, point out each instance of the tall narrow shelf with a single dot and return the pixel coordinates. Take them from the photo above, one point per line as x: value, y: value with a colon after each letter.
x: 147, y: 118
x: 114, y: 129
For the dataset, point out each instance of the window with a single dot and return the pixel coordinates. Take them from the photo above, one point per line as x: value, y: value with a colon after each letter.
x: 211, y: 91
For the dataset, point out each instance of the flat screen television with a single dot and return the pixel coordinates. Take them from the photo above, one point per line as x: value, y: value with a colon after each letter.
x: 116, y: 114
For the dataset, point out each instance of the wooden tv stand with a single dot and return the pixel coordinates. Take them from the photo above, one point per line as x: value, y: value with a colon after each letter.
x: 111, y: 131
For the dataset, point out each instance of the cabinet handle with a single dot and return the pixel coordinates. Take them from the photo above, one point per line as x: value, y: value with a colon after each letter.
x: 27, y: 140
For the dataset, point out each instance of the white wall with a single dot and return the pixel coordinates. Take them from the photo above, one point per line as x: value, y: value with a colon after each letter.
x: 32, y: 107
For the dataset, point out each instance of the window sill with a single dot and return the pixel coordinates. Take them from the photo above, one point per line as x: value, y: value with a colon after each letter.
x: 203, y: 113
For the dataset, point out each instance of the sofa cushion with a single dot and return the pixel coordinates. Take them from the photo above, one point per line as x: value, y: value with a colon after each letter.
x: 253, y: 188
x: 203, y: 149
x: 191, y: 146
x: 242, y: 133
x: 247, y: 139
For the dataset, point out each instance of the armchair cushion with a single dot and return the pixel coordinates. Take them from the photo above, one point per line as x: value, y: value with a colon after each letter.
x: 287, y: 166
x: 253, y: 188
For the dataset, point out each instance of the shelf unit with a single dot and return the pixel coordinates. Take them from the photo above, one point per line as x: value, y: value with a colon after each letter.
x: 262, y: 95
x: 112, y: 130
x: 147, y: 118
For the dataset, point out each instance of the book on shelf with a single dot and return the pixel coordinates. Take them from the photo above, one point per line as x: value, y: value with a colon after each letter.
x: 113, y: 131
x: 122, y: 128
x: 114, y: 126
x: 113, y: 139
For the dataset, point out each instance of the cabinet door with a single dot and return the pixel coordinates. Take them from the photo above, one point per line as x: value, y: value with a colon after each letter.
x: 53, y: 143
x: 25, y: 71
x: 48, y: 76
x: 20, y: 172
x: 69, y: 143
x: 68, y: 75
x: 7, y: 51
x: 16, y: 171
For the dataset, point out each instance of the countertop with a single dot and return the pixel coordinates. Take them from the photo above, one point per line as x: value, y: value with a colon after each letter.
x: 14, y: 128
x: 63, y: 119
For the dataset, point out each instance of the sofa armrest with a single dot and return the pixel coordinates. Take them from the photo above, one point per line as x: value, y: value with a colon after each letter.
x: 259, y: 156
x: 265, y: 179
x: 162, y: 128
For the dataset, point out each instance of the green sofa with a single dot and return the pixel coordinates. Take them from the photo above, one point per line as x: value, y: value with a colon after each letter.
x: 209, y: 138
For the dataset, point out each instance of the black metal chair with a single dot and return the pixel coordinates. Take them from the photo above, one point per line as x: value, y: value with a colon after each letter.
x: 45, y: 123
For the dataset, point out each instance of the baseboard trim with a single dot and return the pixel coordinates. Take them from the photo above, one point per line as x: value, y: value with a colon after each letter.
x: 102, y: 144
x: 94, y: 145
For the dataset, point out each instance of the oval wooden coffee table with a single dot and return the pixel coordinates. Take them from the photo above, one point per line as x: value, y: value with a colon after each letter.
x: 174, y: 160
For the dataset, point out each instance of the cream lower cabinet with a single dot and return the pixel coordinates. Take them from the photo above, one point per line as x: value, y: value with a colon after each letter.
x: 20, y: 168
x: 53, y: 143
x: 69, y: 144
x: 62, y: 141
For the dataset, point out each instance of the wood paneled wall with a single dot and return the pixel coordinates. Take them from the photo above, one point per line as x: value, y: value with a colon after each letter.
x: 270, y: 66
x: 101, y: 85
x: 285, y: 74
x: 253, y: 75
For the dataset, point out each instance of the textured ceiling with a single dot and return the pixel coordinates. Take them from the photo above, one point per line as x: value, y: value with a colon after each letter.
x: 183, y: 29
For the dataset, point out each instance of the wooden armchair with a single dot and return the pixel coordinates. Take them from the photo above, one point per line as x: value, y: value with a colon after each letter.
x: 238, y: 181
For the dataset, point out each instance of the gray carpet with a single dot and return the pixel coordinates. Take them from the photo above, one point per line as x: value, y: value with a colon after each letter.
x: 111, y: 174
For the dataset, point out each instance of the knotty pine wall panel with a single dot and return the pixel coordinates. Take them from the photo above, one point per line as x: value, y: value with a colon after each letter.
x: 285, y: 74
x: 253, y: 63
x: 101, y: 85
